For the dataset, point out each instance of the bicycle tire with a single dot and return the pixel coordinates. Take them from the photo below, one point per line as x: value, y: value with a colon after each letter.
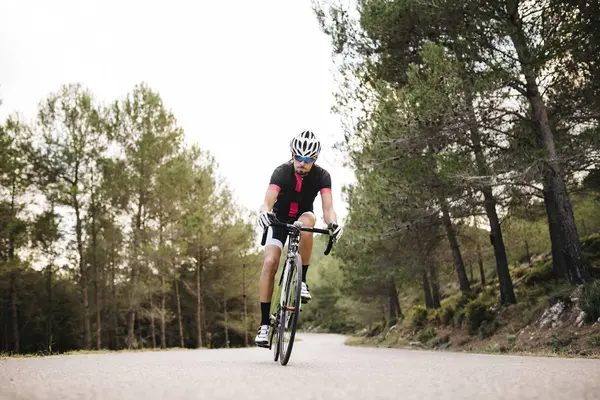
x: 286, y: 351
x: 275, y: 341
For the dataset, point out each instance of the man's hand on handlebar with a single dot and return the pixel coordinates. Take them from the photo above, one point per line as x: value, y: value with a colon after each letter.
x: 336, y: 231
x: 265, y: 219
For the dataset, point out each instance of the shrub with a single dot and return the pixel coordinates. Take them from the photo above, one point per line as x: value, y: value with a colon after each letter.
x: 594, y: 340
x: 459, y: 317
x: 540, y: 273
x: 476, y: 312
x: 487, y: 329
x: 590, y: 300
x: 517, y: 273
x: 376, y: 329
x: 418, y: 316
x: 426, y: 334
x: 591, y: 246
x: 446, y: 313
x: 465, y: 298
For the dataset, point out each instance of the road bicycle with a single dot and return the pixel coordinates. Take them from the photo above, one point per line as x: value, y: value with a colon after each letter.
x: 289, y: 301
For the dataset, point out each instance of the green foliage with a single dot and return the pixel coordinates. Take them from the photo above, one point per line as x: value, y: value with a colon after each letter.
x: 590, y: 300
x: 541, y: 272
x: 426, y: 334
x: 557, y: 343
x: 417, y: 316
x: 591, y: 247
x: 446, y: 314
x: 476, y: 313
x: 594, y: 340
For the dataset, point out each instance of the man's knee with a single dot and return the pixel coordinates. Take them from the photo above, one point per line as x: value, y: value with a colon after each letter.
x: 271, y: 262
x: 308, y: 219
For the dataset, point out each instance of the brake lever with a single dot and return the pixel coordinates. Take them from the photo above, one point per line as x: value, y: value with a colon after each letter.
x: 329, y: 245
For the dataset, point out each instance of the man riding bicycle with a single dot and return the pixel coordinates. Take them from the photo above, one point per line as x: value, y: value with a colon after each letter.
x: 290, y: 196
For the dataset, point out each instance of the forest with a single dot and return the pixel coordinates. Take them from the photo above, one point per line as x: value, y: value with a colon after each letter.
x: 116, y: 234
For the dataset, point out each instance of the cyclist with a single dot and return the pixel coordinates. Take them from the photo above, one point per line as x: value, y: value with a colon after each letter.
x: 290, y: 195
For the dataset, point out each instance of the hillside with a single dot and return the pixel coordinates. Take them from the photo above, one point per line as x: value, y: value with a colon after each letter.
x: 551, y: 317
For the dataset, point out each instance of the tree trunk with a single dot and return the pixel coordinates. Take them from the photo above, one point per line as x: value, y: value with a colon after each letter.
x: 245, y: 305
x: 383, y: 314
x: 225, y: 320
x: 163, y: 310
x: 113, y: 292
x: 559, y: 264
x: 435, y: 287
x: 459, y: 265
x: 103, y: 304
x: 163, y: 327
x: 152, y: 324
x: 427, y: 290
x: 198, y: 305
x: 7, y: 345
x: 179, y: 315
x: 96, y: 276
x: 13, y: 273
x: 50, y: 310
x: 394, y: 303
x: 577, y: 270
x: 507, y: 294
x: 480, y: 261
x: 136, y: 251
x: 87, y: 344
x: 14, y: 315
x: 527, y: 254
x: 205, y: 332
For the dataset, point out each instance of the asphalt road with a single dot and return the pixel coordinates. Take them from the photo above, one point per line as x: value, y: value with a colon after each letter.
x: 321, y: 367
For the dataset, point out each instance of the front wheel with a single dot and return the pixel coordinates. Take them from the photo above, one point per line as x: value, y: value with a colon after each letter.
x: 275, y: 339
x: 290, y: 309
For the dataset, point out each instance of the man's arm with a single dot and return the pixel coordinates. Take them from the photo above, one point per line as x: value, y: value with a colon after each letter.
x: 275, y: 185
x: 270, y: 198
x: 328, y: 212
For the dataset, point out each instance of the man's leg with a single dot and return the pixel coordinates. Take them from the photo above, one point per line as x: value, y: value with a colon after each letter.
x: 272, y: 252
x: 267, y: 276
x: 306, y: 245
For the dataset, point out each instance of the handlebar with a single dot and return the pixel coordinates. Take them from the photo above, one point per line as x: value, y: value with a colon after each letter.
x: 292, y: 227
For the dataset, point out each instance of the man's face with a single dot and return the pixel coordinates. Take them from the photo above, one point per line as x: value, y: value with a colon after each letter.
x: 303, y: 165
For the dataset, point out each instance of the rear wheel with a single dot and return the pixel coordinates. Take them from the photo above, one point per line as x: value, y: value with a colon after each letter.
x: 290, y: 310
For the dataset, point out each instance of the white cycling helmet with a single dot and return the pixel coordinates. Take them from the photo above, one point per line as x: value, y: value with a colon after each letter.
x: 306, y: 144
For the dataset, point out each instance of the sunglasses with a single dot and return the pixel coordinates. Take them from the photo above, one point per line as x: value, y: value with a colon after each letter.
x: 307, y: 160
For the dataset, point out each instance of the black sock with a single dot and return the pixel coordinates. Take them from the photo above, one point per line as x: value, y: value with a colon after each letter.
x: 265, y: 308
x: 304, y: 270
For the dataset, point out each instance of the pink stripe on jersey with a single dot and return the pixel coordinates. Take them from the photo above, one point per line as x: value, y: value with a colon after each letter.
x: 293, y: 209
x: 326, y: 190
x: 274, y: 187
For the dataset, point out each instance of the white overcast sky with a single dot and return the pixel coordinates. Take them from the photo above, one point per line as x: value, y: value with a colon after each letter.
x: 241, y: 77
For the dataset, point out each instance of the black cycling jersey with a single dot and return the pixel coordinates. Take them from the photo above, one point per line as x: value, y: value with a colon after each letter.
x: 297, y: 193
